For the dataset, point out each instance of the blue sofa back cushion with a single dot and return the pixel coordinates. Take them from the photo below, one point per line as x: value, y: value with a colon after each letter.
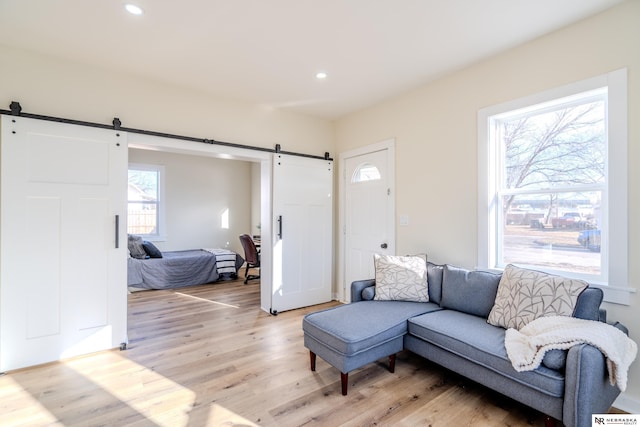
x: 475, y: 285
x: 472, y: 292
x: 434, y: 280
x: 588, y: 304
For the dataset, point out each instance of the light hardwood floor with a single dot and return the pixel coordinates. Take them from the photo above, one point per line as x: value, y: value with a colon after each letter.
x: 208, y: 356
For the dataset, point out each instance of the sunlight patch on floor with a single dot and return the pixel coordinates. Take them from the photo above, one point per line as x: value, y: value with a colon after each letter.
x: 31, y: 412
x: 157, y: 398
x: 206, y: 300
x: 136, y: 392
x: 221, y: 416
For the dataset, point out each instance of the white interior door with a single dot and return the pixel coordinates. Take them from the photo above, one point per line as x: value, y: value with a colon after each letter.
x: 369, y: 218
x: 63, y: 278
x: 303, y: 232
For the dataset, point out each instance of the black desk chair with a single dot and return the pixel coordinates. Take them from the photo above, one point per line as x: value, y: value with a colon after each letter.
x: 251, y: 256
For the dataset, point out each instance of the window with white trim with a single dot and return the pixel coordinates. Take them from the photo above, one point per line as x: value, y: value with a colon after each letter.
x: 145, y: 208
x: 552, y: 183
x: 366, y: 172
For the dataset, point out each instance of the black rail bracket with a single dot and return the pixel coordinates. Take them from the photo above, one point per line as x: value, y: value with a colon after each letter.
x: 15, y: 108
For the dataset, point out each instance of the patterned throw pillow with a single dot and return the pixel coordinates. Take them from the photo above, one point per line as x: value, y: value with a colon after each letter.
x: 402, y: 278
x: 135, y: 247
x: 524, y: 295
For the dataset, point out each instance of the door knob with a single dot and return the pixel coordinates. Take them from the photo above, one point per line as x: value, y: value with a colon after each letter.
x: 383, y: 246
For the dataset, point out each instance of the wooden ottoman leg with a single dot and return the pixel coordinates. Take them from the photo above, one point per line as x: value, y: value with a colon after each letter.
x: 312, y: 358
x: 344, y: 380
x: 392, y: 363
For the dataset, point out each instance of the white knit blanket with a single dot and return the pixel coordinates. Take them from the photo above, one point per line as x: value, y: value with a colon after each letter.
x: 527, y: 347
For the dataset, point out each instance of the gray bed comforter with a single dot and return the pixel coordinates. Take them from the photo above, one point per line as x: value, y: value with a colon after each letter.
x: 175, y: 269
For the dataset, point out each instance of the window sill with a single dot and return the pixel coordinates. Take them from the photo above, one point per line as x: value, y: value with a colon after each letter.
x: 615, y: 295
x: 153, y: 238
x: 612, y: 294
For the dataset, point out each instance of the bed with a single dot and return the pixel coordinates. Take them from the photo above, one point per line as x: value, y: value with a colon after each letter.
x: 176, y: 269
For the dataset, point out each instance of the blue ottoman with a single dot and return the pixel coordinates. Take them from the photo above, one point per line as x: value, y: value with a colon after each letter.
x: 351, y: 335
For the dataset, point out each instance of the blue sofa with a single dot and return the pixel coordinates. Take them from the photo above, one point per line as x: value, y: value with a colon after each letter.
x: 452, y: 330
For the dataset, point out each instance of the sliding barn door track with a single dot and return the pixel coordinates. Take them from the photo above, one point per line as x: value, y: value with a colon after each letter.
x: 15, y: 109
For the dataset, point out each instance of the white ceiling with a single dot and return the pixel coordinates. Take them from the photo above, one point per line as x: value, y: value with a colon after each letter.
x: 268, y: 51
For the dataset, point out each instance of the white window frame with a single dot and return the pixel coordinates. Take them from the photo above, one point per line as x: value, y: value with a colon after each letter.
x: 615, y: 258
x: 161, y: 235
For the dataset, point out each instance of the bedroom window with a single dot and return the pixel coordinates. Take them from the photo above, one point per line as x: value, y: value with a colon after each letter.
x: 145, y: 186
x: 552, y: 174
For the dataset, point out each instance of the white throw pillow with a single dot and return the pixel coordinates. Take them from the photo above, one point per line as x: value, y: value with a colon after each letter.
x: 524, y: 295
x: 401, y: 278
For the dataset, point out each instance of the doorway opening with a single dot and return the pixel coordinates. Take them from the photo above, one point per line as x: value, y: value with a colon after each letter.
x: 262, y: 165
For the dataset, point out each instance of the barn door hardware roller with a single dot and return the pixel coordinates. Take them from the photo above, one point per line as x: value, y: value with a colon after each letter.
x: 15, y: 108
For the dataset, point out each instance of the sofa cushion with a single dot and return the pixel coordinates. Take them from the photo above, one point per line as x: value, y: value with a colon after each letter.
x: 555, y: 359
x: 401, y: 278
x: 524, y: 295
x: 472, y: 338
x: 352, y: 328
x: 434, y: 278
x: 369, y: 293
x: 472, y: 292
x: 588, y: 304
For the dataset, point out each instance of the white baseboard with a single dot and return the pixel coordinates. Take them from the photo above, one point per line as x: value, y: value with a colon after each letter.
x: 627, y: 403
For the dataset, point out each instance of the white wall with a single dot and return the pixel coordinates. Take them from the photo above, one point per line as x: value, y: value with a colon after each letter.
x: 51, y: 86
x: 255, y: 200
x: 198, y: 190
x: 435, y: 130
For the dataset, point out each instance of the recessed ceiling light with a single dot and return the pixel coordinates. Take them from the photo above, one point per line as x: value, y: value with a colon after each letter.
x: 321, y: 75
x: 133, y: 9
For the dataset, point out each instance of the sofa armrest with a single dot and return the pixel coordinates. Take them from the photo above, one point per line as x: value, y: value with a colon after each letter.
x: 358, y: 286
x: 587, y: 387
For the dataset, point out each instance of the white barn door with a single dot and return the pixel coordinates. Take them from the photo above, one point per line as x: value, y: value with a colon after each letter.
x: 303, y: 232
x: 63, y: 258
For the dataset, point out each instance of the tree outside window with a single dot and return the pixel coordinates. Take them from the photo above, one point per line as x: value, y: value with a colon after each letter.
x: 551, y: 183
